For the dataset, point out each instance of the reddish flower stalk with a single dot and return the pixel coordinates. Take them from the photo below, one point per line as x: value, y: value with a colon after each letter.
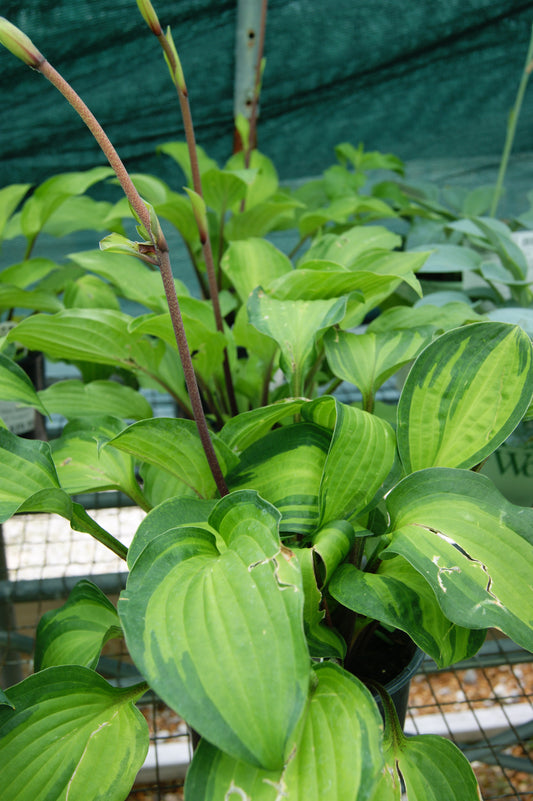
x: 21, y: 46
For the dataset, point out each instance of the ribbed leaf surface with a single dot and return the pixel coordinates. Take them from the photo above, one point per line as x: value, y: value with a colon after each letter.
x: 399, y: 596
x: 336, y: 757
x: 464, y: 395
x: 216, y: 625
x: 473, y: 547
x: 70, y: 737
x: 75, y: 633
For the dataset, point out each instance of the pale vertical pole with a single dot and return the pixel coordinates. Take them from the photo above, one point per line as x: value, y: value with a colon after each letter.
x: 247, y: 36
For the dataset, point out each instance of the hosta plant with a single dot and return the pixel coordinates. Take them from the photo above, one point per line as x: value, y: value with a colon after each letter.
x: 284, y: 533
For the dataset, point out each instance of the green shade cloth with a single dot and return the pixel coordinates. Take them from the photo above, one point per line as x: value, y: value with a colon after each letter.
x: 428, y: 80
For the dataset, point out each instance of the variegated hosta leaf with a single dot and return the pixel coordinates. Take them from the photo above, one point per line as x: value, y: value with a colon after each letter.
x: 246, y: 428
x: 330, y: 546
x: 295, y: 326
x: 75, y: 633
x: 174, y: 445
x: 472, y: 545
x: 367, y: 360
x: 286, y: 467
x: 399, y: 596
x: 216, y: 623
x: 250, y: 263
x: 173, y: 512
x: 434, y: 769
x: 359, y: 460
x: 71, y: 736
x: 464, y: 395
x: 336, y: 756
x: 16, y: 386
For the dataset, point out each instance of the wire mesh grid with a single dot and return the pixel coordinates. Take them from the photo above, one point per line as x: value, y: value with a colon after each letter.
x: 485, y: 705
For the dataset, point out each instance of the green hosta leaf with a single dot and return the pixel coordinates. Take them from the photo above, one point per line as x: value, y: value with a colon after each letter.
x: 72, y: 398
x: 217, y: 626
x: 55, y: 191
x: 369, y: 160
x: 175, y: 446
x: 80, y: 214
x: 337, y: 754
x: 25, y: 273
x: 261, y: 218
x: 178, y: 211
x: 10, y: 197
x: 16, y: 386
x: 360, y: 457
x: 265, y: 178
x: 368, y: 360
x: 243, y: 430
x: 132, y: 279
x: 90, y: 292
x: 11, y: 297
x: 295, y: 326
x: 286, y: 467
x: 26, y: 468
x: 338, y: 212
x: 464, y: 395
x: 427, y: 318
x: 380, y: 273
x: 451, y: 259
x: 75, y: 633
x: 317, y: 281
x: 168, y: 515
x: 259, y: 347
x: 399, y: 596
x: 29, y: 483
x: 4, y: 700
x: 473, y: 547
x: 224, y: 189
x: 253, y: 262
x: 159, y: 485
x: 179, y: 152
x: 206, y: 345
x: 515, y: 316
x: 83, y: 466
x: 92, y: 335
x: 71, y: 736
x: 348, y: 247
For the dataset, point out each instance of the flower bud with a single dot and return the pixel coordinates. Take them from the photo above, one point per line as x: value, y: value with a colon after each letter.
x: 149, y: 16
x: 174, y: 64
x: 19, y: 44
x: 200, y: 213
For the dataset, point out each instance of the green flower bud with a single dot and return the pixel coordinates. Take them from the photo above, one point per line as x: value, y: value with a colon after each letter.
x: 176, y: 71
x: 200, y: 213
x: 149, y: 16
x: 19, y: 44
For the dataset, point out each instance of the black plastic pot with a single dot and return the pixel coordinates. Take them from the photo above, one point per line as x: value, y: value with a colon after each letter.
x: 398, y: 688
